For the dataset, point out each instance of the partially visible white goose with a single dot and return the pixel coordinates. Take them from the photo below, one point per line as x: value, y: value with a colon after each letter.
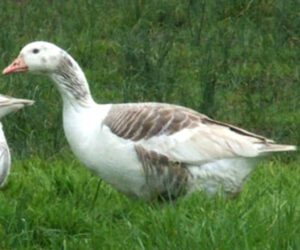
x: 7, y: 105
x: 147, y: 150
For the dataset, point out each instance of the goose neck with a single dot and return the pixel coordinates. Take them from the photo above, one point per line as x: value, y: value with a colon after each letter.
x: 71, y: 83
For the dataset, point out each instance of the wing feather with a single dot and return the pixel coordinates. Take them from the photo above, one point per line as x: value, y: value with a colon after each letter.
x: 182, y: 134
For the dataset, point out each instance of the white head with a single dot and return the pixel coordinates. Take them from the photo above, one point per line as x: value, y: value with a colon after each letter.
x: 47, y: 58
x: 9, y: 104
x: 39, y: 57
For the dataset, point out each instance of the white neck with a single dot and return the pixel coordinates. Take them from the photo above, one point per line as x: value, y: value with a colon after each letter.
x: 71, y: 83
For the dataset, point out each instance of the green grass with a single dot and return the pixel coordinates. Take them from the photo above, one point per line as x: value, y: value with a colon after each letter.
x: 58, y: 204
x: 237, y: 61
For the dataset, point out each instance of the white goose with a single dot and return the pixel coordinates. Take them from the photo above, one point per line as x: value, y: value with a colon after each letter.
x: 147, y: 150
x: 7, y: 105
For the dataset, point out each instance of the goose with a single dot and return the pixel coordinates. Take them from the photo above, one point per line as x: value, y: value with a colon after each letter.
x: 7, y: 105
x: 149, y: 150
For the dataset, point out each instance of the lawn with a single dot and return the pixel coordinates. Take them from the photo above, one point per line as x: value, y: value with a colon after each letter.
x: 236, y: 61
x: 58, y: 204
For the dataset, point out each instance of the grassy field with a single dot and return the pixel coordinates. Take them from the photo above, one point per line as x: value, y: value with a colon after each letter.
x: 237, y: 61
x: 234, y: 61
x: 57, y: 204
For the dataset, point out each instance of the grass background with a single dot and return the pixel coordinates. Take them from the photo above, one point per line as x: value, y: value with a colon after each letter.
x: 237, y: 61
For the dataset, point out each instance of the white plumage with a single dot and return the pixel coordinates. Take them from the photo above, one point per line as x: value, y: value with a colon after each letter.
x: 147, y: 150
x: 7, y: 105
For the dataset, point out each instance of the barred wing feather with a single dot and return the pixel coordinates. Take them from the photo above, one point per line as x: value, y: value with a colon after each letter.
x: 184, y: 135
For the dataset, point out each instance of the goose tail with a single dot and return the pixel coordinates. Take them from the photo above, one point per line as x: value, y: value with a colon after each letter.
x: 269, y: 148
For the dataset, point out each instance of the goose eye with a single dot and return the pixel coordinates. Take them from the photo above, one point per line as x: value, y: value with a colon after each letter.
x: 35, y: 51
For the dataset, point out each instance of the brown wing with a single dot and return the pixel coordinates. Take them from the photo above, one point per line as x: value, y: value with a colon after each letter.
x: 237, y: 130
x: 165, y: 178
x: 143, y: 121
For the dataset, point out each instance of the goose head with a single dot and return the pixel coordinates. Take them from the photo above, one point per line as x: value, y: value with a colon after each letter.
x: 36, y: 57
x: 46, y: 58
x: 9, y: 104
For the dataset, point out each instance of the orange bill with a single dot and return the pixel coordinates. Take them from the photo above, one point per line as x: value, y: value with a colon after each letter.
x: 18, y: 65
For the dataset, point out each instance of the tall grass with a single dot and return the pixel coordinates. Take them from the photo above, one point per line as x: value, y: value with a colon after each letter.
x: 233, y: 60
x: 237, y: 61
x: 57, y: 204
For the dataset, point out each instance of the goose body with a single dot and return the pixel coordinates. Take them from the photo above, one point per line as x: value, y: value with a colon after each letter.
x: 146, y: 150
x: 7, y: 105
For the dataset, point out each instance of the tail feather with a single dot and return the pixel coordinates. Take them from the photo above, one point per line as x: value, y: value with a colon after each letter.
x: 278, y: 148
